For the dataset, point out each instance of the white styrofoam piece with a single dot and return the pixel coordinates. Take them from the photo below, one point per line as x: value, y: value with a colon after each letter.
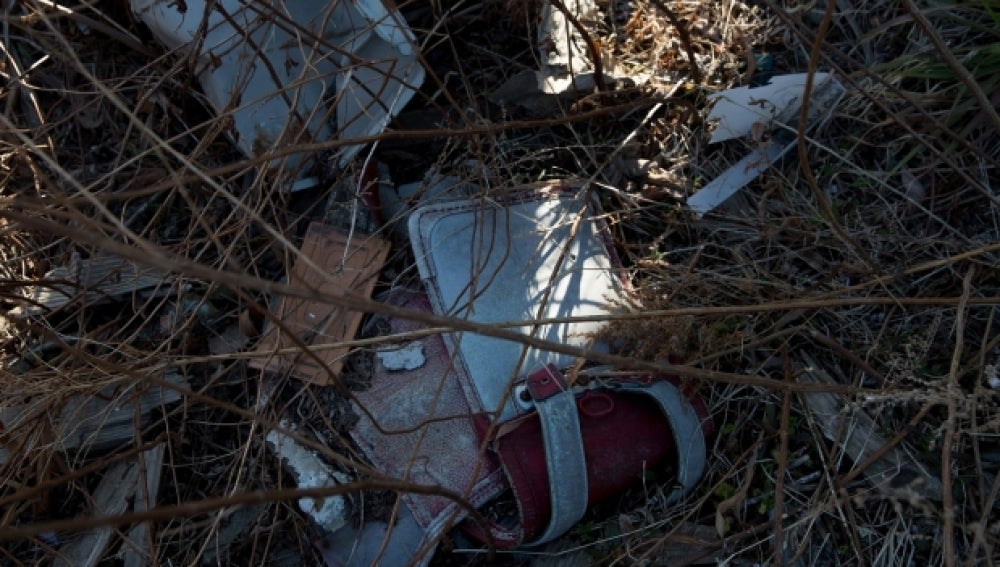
x: 489, y: 264
x: 409, y: 356
x: 329, y: 512
x: 258, y: 64
x: 738, y: 110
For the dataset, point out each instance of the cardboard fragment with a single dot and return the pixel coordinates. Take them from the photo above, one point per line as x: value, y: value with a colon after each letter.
x: 349, y: 264
x: 857, y: 434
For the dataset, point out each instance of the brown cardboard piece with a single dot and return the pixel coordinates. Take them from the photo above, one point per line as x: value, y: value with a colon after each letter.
x: 348, y: 263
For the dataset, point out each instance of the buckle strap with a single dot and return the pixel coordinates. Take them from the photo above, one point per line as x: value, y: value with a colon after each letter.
x: 566, y: 463
x: 689, y: 437
x: 563, y: 443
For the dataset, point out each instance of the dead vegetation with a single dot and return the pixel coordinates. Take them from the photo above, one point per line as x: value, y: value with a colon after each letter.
x: 867, y: 261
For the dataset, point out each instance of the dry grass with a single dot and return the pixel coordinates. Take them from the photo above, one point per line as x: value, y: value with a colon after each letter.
x: 875, y: 258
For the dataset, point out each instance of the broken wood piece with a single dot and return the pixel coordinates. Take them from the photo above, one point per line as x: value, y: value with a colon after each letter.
x: 92, y: 280
x: 347, y: 264
x: 110, y: 499
x: 136, y: 551
x: 228, y: 527
x: 565, y: 54
x: 855, y: 432
x: 85, y: 423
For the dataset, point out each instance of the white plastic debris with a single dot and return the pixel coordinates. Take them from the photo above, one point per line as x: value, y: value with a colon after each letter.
x: 406, y: 357
x: 991, y: 376
x: 329, y: 513
x: 281, y: 70
x: 743, y: 111
x: 768, y: 115
x: 566, y: 59
x: 566, y: 65
x: 396, y: 203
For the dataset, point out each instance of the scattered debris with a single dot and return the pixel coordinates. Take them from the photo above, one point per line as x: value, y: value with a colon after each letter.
x: 119, y: 486
x: 743, y: 111
x: 992, y: 379
x: 406, y: 357
x: 852, y: 429
x: 768, y: 114
x: 87, y: 423
x: 567, y: 61
x: 232, y: 339
x: 567, y: 67
x: 395, y: 203
x: 331, y: 262
x: 92, y: 281
x: 253, y: 61
x: 176, y: 313
x: 228, y: 526
x: 375, y: 543
x: 522, y: 90
x: 103, y: 144
x: 422, y: 430
x: 136, y: 551
x: 109, y: 499
x: 542, y: 254
x: 329, y: 513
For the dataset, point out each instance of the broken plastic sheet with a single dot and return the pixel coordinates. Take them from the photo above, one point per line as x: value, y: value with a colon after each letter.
x: 273, y: 66
x: 416, y: 425
x: 528, y: 260
x: 754, y: 112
